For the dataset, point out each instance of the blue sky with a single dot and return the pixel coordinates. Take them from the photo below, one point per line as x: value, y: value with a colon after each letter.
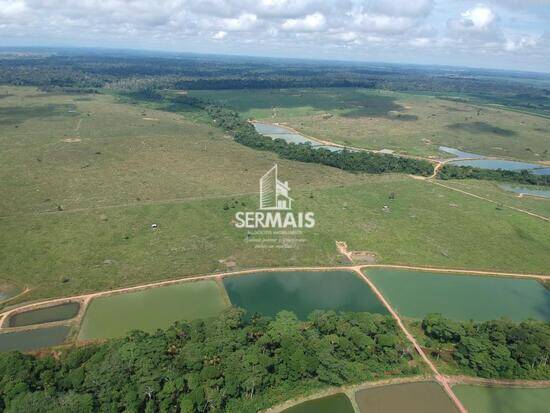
x: 506, y: 34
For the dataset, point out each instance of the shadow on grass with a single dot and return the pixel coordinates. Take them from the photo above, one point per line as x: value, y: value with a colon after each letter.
x: 482, y: 127
x: 13, y: 115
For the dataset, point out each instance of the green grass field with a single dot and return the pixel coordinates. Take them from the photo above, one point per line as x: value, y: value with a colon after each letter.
x: 407, y: 123
x: 190, y: 180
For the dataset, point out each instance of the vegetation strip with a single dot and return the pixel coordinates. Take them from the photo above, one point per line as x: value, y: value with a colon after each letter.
x: 439, y: 377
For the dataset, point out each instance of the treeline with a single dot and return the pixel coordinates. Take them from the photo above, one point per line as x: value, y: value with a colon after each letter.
x: 492, y: 349
x: 355, y: 161
x: 228, y: 364
x: 449, y: 171
x: 119, y: 70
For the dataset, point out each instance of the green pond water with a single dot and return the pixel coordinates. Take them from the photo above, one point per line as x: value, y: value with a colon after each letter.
x: 301, y: 292
x: 338, y: 403
x: 45, y: 315
x: 33, y: 339
x: 462, y: 297
x: 422, y: 397
x: 481, y: 399
x: 151, y: 309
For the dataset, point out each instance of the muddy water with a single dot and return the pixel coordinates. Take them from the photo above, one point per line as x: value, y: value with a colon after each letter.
x: 33, y: 339
x: 45, y: 315
x: 422, y: 397
x: 338, y: 403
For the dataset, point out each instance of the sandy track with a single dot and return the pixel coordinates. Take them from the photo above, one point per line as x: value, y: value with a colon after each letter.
x: 490, y: 200
x: 441, y: 379
x: 139, y: 287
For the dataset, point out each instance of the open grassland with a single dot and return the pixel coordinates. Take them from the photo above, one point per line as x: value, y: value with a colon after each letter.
x: 190, y: 180
x: 407, y: 123
x: 492, y: 191
x: 96, y: 153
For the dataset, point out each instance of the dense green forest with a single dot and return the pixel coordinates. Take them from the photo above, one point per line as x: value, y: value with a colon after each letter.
x: 238, y: 364
x: 492, y: 349
x: 228, y: 364
x: 449, y: 171
x: 73, y: 69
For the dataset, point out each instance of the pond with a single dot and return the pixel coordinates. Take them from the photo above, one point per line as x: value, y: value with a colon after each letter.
x: 543, y: 192
x: 280, y: 132
x: 151, y: 309
x: 503, y: 400
x: 59, y: 312
x: 338, y: 403
x: 480, y: 161
x: 34, y: 339
x: 421, y: 397
x: 503, y: 164
x: 462, y: 297
x: 301, y: 292
x: 458, y: 153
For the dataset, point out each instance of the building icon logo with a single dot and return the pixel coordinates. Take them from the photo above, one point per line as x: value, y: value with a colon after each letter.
x: 274, y: 193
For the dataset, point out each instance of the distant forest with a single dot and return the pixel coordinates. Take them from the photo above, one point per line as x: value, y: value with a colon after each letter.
x: 88, y: 70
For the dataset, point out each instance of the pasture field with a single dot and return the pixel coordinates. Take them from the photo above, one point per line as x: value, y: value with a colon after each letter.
x: 407, y: 123
x: 151, y: 309
x: 73, y: 220
x: 503, y: 400
x: 494, y: 192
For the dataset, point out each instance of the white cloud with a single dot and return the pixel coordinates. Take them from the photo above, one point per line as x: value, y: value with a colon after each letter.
x: 477, y: 19
x: 403, y: 8
x: 374, y: 28
x: 380, y: 23
x: 513, y: 45
x: 244, y: 22
x: 310, y: 23
x: 219, y: 35
x: 10, y: 8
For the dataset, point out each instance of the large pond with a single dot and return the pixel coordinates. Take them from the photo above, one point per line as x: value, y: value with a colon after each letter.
x: 45, y: 315
x: 503, y: 164
x: 33, y: 339
x: 301, y: 292
x: 422, y: 397
x: 338, y: 403
x: 280, y: 132
x: 527, y: 190
x: 458, y: 153
x: 462, y: 297
x: 503, y: 400
x: 480, y: 161
x: 151, y: 309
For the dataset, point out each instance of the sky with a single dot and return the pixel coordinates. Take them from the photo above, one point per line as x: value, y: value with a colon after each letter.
x: 502, y: 34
